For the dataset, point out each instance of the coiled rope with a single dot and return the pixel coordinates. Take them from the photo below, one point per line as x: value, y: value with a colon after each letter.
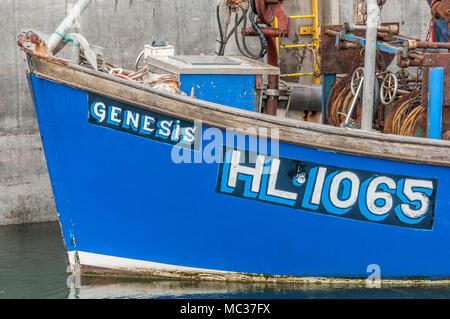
x: 407, y: 114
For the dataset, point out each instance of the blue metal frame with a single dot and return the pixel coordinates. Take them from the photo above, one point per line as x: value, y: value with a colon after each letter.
x: 435, y: 95
x: 393, y: 47
x: 327, y: 83
x: 216, y: 88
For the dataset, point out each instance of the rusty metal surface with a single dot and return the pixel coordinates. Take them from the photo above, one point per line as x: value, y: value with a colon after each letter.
x: 433, y: 60
x: 359, y: 11
x: 268, y: 32
x: 446, y: 123
x: 267, y: 11
x: 344, y: 61
x: 446, y: 135
x: 31, y: 43
x: 405, y: 102
x: 272, y: 100
x: 337, y: 89
x: 412, y: 44
x: 235, y: 3
x: 441, y: 9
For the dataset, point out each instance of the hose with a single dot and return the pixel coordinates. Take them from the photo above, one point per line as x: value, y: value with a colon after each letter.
x: 222, y: 44
x: 262, y: 37
x: 244, y: 48
x: 244, y: 51
x: 253, y: 5
x: 224, y: 40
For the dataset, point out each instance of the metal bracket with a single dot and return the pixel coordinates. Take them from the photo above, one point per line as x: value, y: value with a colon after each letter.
x: 272, y: 92
x: 305, y: 30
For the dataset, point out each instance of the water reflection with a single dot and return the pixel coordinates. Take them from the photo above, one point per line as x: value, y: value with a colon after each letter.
x: 32, y: 261
x: 97, y: 287
x: 33, y: 265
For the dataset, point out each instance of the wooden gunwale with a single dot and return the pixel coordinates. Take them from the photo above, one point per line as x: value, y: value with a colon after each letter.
x: 312, y: 135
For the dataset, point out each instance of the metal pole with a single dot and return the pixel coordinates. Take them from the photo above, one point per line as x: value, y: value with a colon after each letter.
x: 67, y: 23
x: 373, y: 17
x: 355, y: 99
x: 316, y: 36
x: 272, y: 94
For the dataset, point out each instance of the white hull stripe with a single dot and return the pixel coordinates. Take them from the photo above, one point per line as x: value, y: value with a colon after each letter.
x: 128, y: 264
x: 166, y: 270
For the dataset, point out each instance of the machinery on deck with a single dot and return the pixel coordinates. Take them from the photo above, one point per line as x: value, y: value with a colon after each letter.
x: 271, y: 24
x: 402, y: 99
x: 410, y: 99
x: 402, y: 93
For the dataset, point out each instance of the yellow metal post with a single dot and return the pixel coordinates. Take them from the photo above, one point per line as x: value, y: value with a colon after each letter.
x: 296, y: 74
x: 295, y: 46
x: 302, y: 17
x: 275, y: 25
x: 313, y: 30
x: 316, y: 38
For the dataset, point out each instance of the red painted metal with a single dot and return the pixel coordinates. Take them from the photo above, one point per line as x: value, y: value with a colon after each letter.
x: 267, y: 10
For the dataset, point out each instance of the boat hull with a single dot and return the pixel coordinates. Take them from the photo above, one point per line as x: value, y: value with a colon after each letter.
x: 122, y: 197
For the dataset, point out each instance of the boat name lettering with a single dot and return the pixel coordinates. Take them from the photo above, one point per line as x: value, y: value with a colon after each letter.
x: 348, y: 193
x: 126, y: 118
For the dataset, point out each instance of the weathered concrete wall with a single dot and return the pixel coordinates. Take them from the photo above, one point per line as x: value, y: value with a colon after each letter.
x: 25, y: 192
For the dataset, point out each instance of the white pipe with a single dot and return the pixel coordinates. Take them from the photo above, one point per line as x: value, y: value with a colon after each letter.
x: 67, y: 23
x: 373, y: 18
x: 358, y: 92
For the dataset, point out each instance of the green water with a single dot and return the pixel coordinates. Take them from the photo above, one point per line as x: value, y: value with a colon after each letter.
x: 33, y: 265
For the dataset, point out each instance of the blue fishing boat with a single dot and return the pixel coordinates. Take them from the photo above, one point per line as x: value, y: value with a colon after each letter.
x: 161, y: 184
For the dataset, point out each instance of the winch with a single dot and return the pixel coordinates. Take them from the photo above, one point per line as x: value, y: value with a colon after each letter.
x: 402, y: 99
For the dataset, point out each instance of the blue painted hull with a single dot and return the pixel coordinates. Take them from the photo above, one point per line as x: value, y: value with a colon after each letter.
x: 121, y: 195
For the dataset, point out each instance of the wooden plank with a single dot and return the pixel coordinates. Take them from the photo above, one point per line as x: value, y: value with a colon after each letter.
x: 318, y: 136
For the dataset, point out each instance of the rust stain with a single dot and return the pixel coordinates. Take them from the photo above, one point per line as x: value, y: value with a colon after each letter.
x: 347, y: 56
x: 112, y: 274
x: 32, y: 44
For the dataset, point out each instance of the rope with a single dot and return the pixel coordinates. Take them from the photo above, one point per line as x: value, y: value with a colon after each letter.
x: 67, y: 39
x: 407, y: 114
x: 407, y: 109
x: 340, y: 105
x: 289, y: 93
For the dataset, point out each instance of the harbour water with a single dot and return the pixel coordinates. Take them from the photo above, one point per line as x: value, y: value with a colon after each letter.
x: 33, y: 265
